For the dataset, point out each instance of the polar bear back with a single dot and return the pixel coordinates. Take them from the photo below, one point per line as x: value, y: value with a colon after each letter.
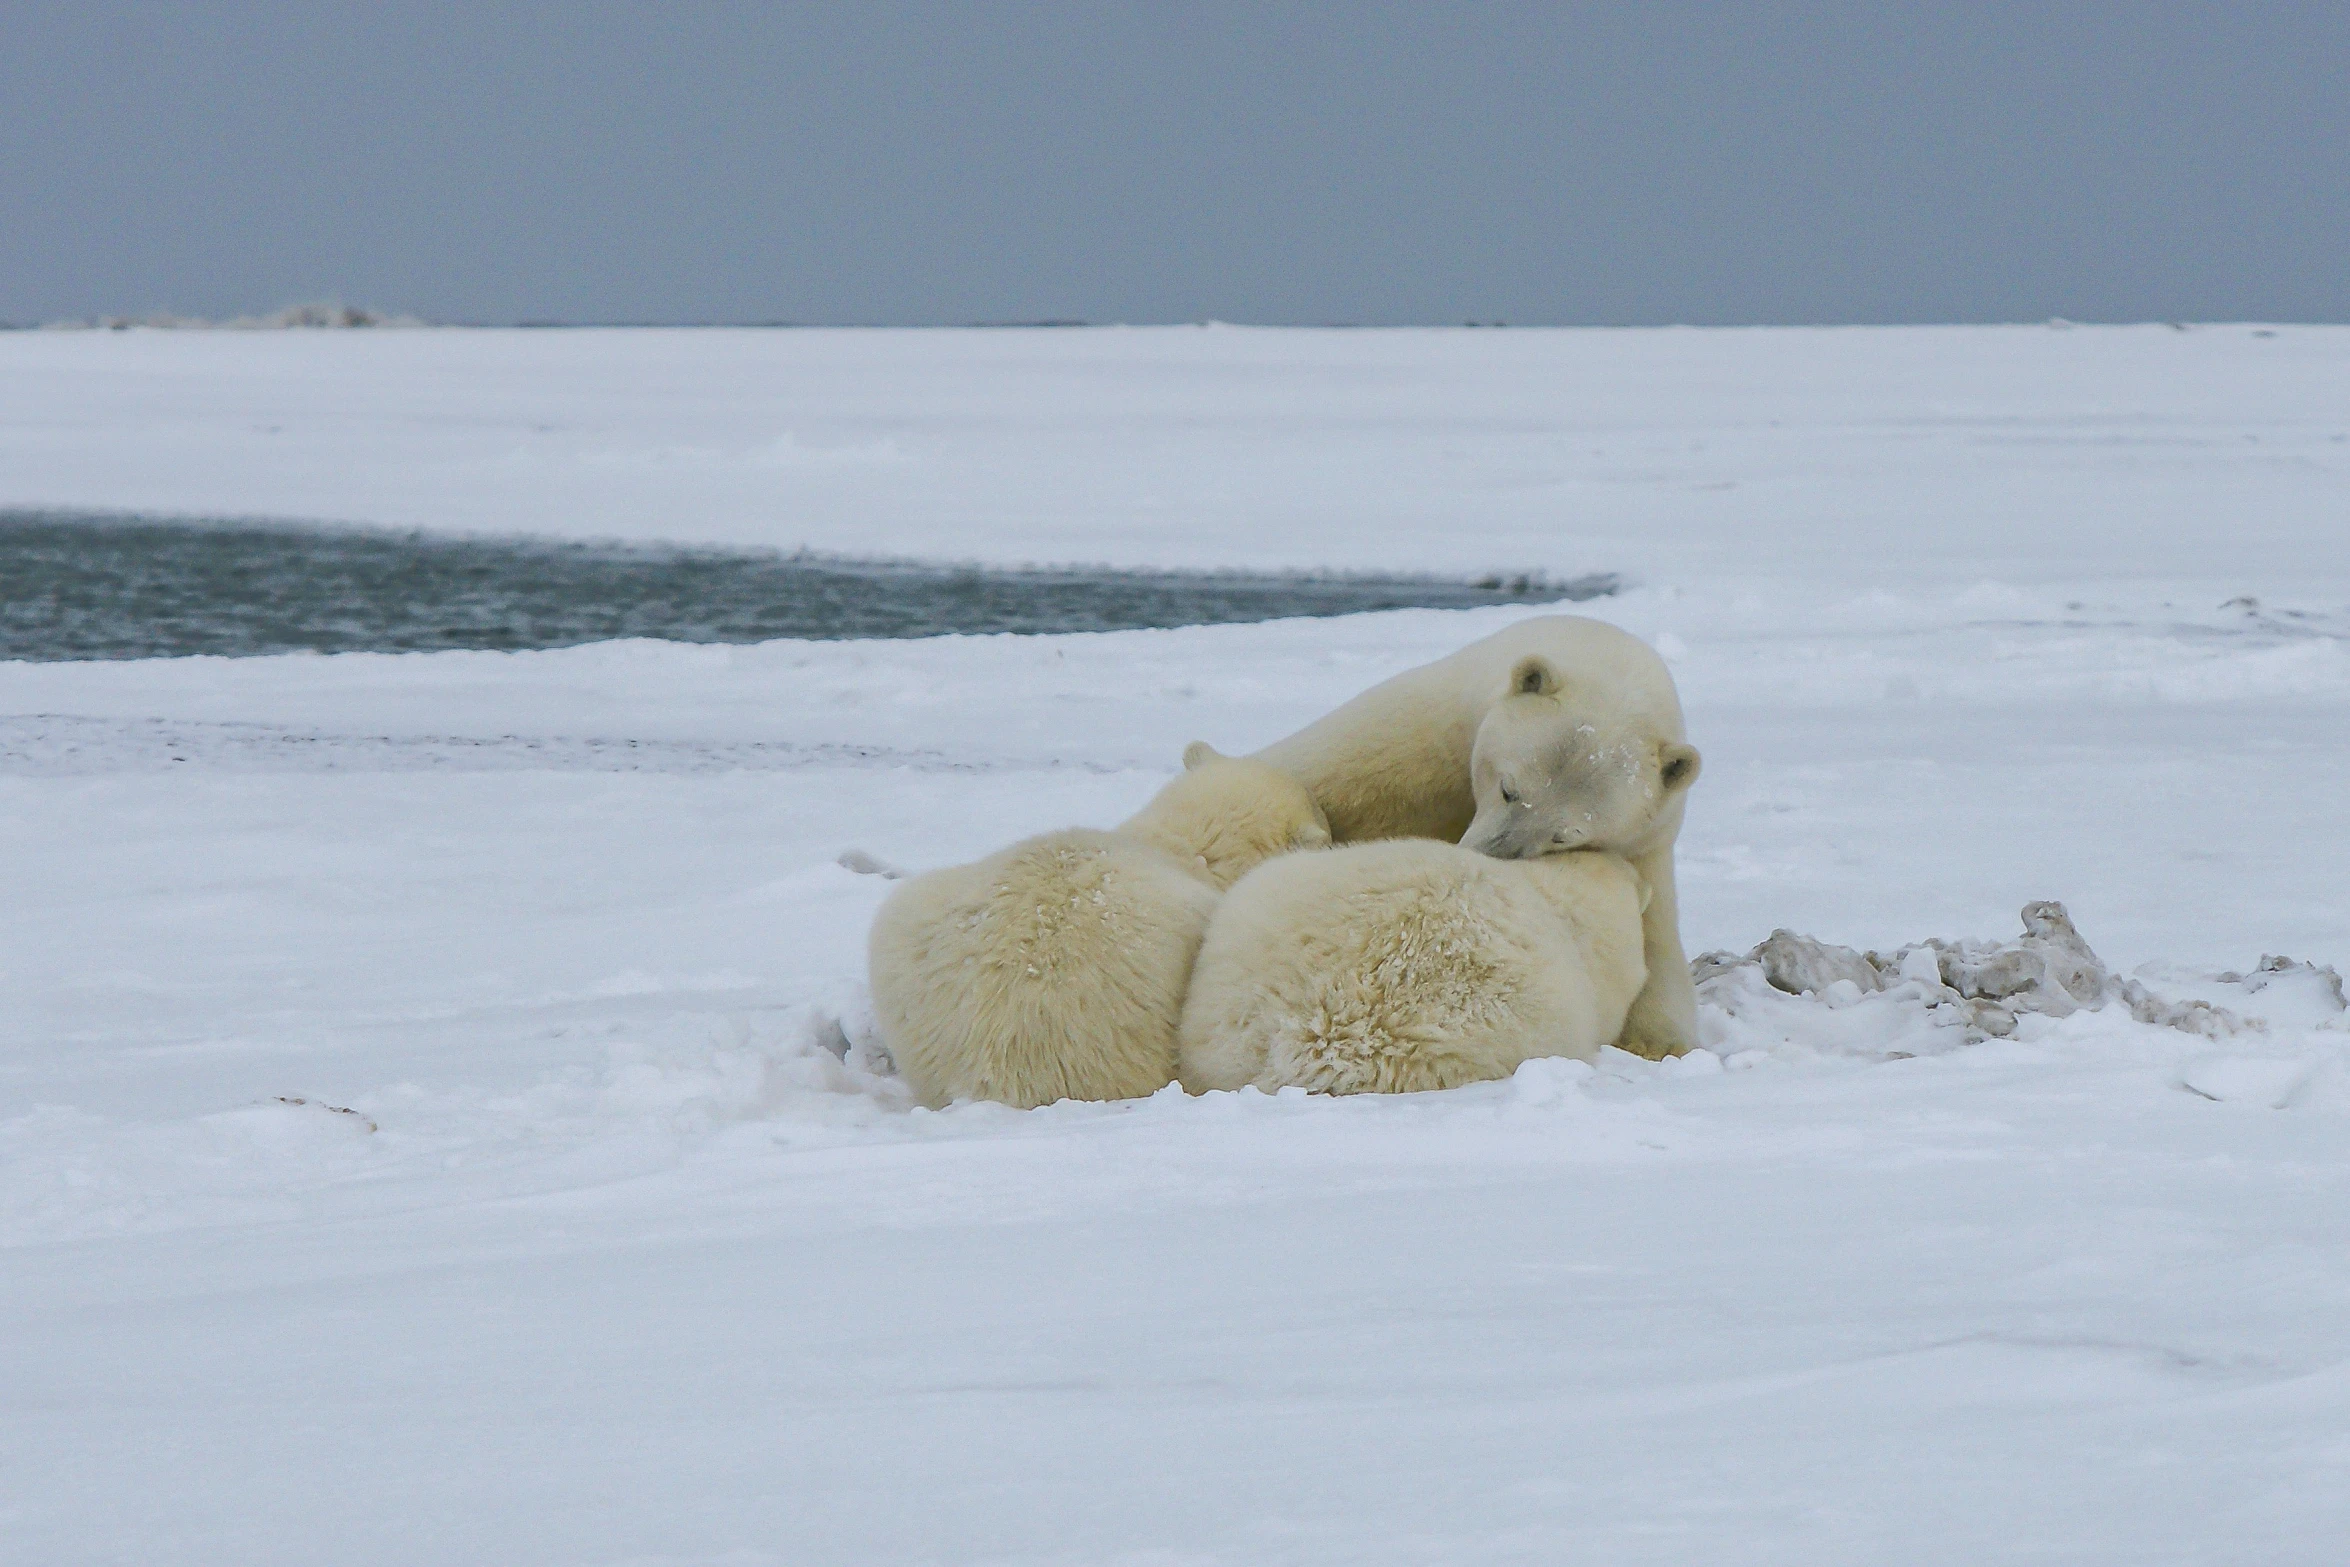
x: 1400, y: 966
x: 1054, y: 969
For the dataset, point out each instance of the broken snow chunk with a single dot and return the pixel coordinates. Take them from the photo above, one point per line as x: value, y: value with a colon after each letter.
x: 2280, y: 994
x: 1920, y: 966
x: 1984, y: 987
x: 1548, y: 1080
x: 2051, y: 970
x: 2278, y: 978
x: 2190, y: 1017
x: 1800, y: 965
x: 1990, y: 1018
x: 1708, y: 964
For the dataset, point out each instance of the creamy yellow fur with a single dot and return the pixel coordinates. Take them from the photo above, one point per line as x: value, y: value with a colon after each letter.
x: 1399, y: 966
x: 1056, y: 968
x: 1577, y: 719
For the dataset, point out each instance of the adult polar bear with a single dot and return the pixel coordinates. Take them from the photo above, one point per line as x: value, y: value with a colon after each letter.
x: 1557, y: 732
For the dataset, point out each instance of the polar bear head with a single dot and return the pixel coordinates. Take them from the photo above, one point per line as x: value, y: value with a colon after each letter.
x: 1226, y: 815
x: 1556, y: 768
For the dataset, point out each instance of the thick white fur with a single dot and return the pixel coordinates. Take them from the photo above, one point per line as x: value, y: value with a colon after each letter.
x: 1056, y: 969
x: 1399, y: 966
x: 1577, y: 719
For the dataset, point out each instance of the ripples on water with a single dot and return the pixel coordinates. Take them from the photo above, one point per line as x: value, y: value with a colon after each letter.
x: 74, y: 586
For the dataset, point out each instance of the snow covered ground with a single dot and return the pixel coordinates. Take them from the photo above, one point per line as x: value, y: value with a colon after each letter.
x: 416, y: 1140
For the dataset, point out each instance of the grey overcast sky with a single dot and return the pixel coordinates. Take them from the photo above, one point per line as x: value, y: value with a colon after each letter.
x: 896, y: 163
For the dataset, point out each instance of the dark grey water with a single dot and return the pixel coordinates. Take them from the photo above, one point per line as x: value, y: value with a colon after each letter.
x: 74, y: 586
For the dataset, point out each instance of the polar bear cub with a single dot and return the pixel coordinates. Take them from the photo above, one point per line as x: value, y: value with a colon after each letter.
x: 1409, y: 964
x: 1056, y: 968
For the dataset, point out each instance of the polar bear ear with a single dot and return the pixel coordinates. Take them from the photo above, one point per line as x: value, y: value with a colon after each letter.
x: 1533, y: 676
x: 1676, y: 765
x: 1197, y: 752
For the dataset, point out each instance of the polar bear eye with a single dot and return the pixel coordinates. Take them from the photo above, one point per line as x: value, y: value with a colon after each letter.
x: 1509, y: 796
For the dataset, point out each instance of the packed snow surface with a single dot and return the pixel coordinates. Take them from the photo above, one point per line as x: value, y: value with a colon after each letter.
x: 421, y: 1137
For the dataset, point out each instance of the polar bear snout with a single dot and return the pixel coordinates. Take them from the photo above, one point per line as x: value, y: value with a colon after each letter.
x: 1517, y: 834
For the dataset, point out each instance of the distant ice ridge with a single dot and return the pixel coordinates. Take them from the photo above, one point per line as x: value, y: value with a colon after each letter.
x: 317, y: 313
